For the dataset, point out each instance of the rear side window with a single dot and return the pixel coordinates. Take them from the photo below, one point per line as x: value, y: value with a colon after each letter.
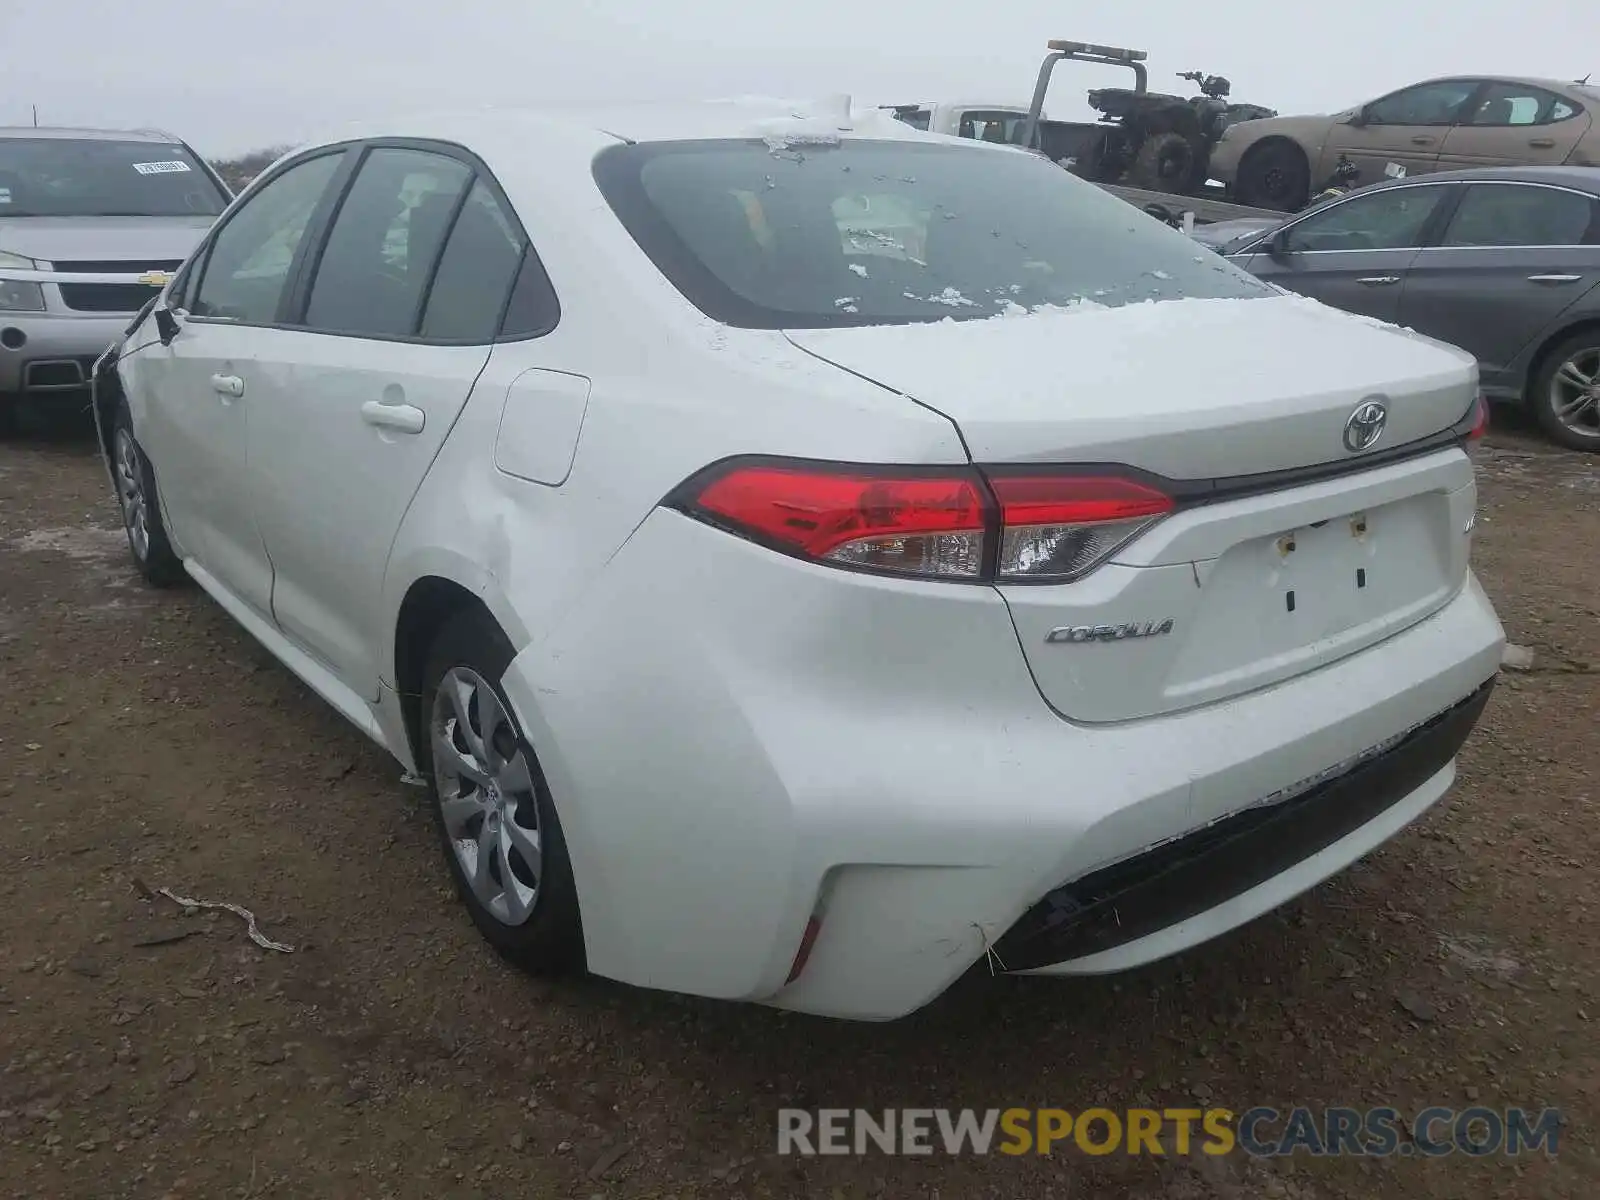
x: 475, y: 275
x: 864, y: 232
x: 385, y: 242
x: 1518, y: 104
x: 1512, y: 215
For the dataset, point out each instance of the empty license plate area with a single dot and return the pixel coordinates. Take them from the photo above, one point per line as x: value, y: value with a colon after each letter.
x: 1276, y: 605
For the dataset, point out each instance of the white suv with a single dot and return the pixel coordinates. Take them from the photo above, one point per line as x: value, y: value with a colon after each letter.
x: 787, y: 609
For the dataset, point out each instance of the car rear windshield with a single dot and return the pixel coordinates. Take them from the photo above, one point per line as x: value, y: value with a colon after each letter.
x: 769, y: 235
x: 82, y: 177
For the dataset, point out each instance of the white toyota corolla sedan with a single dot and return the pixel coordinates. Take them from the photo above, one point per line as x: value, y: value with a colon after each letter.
x: 806, y: 557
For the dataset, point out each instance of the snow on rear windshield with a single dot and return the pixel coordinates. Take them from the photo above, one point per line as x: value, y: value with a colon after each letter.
x: 882, y: 232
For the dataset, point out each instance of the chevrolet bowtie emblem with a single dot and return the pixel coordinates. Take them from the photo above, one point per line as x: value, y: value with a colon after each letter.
x: 156, y: 278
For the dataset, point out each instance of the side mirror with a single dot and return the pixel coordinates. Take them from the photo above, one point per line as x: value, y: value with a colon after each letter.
x: 1359, y: 118
x: 1278, y: 246
x: 166, y: 325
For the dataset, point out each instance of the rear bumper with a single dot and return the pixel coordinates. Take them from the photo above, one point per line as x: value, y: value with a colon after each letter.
x: 1082, y: 926
x: 57, y: 350
x: 738, y: 742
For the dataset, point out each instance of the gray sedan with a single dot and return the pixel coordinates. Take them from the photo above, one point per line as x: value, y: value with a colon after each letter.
x: 1503, y: 262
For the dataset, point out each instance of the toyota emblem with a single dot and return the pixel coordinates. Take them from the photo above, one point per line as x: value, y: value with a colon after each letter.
x: 1365, y: 426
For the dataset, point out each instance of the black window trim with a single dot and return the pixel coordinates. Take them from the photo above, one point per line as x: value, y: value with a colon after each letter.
x: 1430, y: 229
x: 1468, y: 184
x: 296, y: 294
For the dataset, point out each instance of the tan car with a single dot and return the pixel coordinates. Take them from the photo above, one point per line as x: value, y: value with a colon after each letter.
x: 1439, y: 125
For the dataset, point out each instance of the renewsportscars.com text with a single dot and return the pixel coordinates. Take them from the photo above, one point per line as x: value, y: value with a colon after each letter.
x: 1260, y: 1132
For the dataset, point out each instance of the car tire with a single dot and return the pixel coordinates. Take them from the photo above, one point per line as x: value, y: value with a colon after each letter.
x: 9, y: 424
x: 1569, y: 375
x: 1274, y: 175
x: 140, y: 506
x: 1165, y: 163
x: 490, y: 793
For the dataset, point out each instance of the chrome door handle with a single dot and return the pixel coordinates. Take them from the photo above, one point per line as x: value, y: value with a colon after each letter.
x: 1419, y: 140
x: 1378, y: 280
x: 227, y: 385
x: 1554, y: 278
x: 404, y: 418
x: 1542, y: 143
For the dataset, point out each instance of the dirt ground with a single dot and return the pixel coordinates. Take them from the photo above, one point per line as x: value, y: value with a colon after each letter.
x: 149, y: 1053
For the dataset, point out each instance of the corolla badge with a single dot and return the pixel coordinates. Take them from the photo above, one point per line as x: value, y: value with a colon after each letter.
x: 1078, y: 634
x: 1365, y: 426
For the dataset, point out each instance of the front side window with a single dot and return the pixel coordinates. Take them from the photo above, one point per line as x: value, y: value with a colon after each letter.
x: 248, y: 262
x: 1393, y: 219
x: 1426, y: 104
x: 1513, y: 215
x: 383, y: 245
x: 1512, y: 104
x: 887, y: 232
x: 93, y: 177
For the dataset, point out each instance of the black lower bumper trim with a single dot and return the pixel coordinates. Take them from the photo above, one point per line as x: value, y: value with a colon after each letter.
x: 1179, y: 879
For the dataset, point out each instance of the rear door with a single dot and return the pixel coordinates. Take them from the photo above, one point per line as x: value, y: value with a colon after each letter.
x: 1403, y: 133
x: 1515, y: 124
x: 392, y: 327
x: 1354, y: 254
x: 1513, y: 257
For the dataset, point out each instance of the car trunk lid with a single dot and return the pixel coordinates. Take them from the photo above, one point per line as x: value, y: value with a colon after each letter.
x: 1284, y: 553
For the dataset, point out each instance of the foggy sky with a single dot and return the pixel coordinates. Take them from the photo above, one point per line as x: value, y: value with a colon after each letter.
x: 230, y: 76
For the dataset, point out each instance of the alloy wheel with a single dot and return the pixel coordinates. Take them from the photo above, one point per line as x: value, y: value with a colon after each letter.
x: 130, y: 494
x: 1575, y: 393
x: 486, y: 795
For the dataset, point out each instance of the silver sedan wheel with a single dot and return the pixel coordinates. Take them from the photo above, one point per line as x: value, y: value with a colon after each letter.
x: 486, y: 795
x: 130, y: 494
x: 1575, y: 393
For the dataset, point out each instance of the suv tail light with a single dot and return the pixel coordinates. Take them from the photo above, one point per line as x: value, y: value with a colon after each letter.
x: 953, y: 523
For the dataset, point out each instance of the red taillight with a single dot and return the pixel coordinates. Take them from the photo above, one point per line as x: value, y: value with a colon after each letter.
x: 1480, y: 424
x: 940, y: 523
x: 919, y: 524
x: 1060, y: 527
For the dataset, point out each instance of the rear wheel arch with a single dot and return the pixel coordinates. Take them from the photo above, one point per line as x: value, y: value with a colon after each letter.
x: 431, y: 603
x: 1541, y: 357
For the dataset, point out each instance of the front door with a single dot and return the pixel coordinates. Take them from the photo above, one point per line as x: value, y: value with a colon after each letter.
x: 1512, y: 259
x: 1354, y: 254
x: 1401, y: 134
x: 201, y: 387
x: 393, y: 336
x: 1514, y: 124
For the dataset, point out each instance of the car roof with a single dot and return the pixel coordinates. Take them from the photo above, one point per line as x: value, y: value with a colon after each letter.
x: 753, y: 117
x: 1583, y: 178
x: 1551, y: 85
x: 71, y: 133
